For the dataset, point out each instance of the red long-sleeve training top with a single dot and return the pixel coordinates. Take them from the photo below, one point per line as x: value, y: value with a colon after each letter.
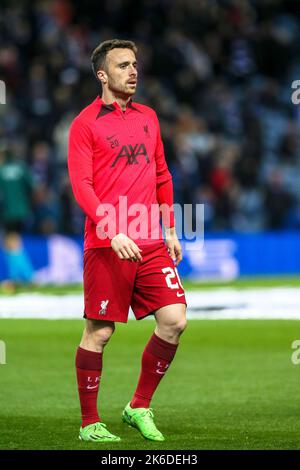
x: 115, y: 154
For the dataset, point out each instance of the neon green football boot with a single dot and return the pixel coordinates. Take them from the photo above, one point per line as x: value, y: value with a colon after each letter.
x: 97, y: 432
x: 142, y: 419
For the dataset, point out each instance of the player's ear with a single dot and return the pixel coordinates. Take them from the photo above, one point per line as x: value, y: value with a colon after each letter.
x: 102, y: 76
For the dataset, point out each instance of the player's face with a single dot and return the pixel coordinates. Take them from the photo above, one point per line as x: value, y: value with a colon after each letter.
x: 122, y: 71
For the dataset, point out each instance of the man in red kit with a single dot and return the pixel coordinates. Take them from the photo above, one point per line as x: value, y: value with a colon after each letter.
x: 115, y: 156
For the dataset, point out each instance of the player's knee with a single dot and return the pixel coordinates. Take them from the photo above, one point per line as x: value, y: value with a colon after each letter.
x: 99, y: 334
x: 179, y: 326
x: 103, y: 335
x: 173, y: 329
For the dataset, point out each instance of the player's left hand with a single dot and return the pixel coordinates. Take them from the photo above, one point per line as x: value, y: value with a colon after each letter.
x: 173, y: 245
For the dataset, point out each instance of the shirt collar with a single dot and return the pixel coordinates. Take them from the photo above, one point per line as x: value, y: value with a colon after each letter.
x: 114, y: 104
x: 106, y: 108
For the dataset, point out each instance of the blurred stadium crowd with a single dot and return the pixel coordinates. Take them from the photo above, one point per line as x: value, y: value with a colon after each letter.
x: 218, y: 73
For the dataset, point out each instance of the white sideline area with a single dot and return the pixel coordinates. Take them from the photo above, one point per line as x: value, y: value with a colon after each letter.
x: 221, y: 303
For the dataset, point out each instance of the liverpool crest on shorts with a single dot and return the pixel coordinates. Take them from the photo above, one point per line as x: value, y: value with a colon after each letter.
x: 103, y: 307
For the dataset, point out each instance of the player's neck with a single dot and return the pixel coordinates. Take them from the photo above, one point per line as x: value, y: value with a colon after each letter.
x: 108, y: 98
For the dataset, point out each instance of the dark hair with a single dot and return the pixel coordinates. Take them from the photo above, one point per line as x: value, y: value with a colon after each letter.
x: 99, y: 54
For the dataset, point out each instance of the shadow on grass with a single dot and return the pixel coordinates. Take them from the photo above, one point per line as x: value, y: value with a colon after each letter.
x: 38, y: 433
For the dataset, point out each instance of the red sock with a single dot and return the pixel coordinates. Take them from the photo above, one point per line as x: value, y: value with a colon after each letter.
x: 156, y: 359
x: 88, y: 369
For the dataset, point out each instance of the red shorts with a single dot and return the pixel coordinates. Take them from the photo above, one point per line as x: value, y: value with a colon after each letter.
x: 111, y: 285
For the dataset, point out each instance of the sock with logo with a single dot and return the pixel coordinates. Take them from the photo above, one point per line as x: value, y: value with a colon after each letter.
x: 156, y: 360
x: 88, y: 370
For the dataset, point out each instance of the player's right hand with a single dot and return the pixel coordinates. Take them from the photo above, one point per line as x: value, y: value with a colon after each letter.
x: 125, y: 248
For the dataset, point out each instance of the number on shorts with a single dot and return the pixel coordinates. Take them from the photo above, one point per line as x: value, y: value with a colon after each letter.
x: 172, y: 273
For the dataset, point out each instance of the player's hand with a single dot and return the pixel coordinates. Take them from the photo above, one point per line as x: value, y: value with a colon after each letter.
x: 173, y: 245
x: 125, y: 248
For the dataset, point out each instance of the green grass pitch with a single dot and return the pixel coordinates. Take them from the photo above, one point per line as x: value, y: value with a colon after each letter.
x: 232, y: 386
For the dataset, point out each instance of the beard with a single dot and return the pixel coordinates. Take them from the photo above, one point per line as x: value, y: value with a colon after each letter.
x: 119, y: 89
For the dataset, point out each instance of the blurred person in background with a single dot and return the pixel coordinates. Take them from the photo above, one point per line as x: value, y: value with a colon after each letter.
x: 19, y: 267
x: 16, y: 188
